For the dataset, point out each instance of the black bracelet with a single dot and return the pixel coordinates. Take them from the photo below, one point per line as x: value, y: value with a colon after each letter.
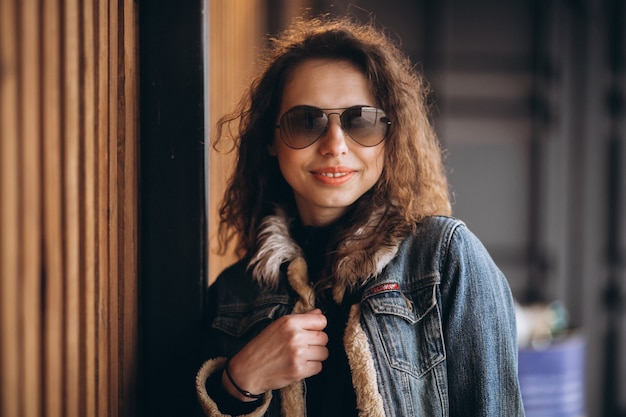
x: 243, y: 392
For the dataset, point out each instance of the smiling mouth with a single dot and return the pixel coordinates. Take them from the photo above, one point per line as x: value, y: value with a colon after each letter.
x: 334, y: 177
x: 333, y: 174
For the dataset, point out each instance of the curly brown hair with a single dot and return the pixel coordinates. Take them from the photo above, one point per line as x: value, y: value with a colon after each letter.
x: 413, y: 183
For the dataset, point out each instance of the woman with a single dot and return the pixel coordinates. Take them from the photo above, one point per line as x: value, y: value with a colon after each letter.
x: 355, y: 294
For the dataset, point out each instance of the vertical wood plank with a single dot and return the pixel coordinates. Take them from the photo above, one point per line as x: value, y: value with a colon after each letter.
x: 113, y: 219
x: 9, y: 213
x: 72, y: 213
x: 30, y: 207
x: 103, y: 404
x: 53, y: 370
x: 89, y: 127
x: 128, y: 212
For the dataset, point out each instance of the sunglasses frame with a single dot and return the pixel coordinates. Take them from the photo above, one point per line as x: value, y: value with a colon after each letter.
x: 334, y: 111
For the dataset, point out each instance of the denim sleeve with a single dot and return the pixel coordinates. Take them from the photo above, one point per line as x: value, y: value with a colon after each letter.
x: 479, y: 331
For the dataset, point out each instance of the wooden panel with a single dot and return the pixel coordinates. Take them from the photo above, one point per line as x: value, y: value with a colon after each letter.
x: 68, y: 212
x: 89, y: 190
x: 111, y: 198
x: 10, y: 380
x: 30, y: 205
x: 52, y: 213
x: 71, y: 177
x: 128, y: 231
x: 236, y: 34
x: 103, y: 329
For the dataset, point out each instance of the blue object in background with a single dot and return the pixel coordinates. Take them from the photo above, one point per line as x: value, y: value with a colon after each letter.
x: 552, y: 378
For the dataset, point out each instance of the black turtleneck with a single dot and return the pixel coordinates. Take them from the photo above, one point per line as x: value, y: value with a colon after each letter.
x: 329, y: 393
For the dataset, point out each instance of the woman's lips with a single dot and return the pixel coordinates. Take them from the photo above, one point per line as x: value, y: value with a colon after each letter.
x: 333, y: 176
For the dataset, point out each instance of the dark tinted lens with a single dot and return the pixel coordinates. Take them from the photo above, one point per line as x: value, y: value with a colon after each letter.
x: 366, y: 125
x: 301, y: 126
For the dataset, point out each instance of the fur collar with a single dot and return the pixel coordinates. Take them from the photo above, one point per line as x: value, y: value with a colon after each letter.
x: 276, y: 247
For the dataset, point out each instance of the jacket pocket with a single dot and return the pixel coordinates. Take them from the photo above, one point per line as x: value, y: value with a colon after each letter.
x: 408, y: 329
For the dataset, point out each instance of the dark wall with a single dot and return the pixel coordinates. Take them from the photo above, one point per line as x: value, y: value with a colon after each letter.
x: 172, y: 206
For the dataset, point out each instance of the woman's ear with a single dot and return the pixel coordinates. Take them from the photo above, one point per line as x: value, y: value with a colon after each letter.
x: 270, y: 150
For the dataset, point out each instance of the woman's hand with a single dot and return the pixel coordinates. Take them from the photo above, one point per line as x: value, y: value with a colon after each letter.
x: 290, y: 349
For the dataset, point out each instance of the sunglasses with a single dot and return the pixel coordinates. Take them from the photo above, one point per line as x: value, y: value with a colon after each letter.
x: 301, y: 126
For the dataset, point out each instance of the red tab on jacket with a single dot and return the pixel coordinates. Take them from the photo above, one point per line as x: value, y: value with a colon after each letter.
x: 389, y: 286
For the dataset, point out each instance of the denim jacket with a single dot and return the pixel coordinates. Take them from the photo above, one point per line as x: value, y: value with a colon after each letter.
x: 433, y: 335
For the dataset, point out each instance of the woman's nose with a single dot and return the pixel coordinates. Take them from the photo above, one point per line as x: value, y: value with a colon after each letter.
x: 334, y: 140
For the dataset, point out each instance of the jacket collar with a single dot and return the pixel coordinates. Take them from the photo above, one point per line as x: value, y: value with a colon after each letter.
x: 276, y: 247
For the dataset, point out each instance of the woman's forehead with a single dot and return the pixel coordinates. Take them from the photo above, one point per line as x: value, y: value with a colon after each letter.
x: 326, y: 83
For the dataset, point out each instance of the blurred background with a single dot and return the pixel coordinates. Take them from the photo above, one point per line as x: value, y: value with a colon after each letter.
x: 108, y: 190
